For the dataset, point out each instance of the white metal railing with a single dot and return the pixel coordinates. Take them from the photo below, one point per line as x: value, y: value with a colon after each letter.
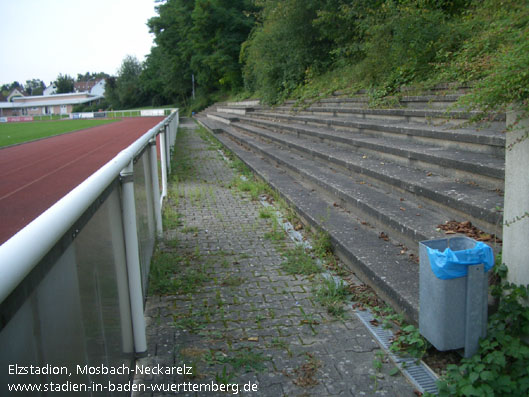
x: 23, y: 251
x: 112, y: 114
x: 123, y: 113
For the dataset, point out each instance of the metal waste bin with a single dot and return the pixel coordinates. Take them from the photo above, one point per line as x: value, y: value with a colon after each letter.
x: 453, y: 309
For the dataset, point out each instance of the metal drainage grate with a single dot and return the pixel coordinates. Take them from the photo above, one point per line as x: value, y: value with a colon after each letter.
x: 418, y: 373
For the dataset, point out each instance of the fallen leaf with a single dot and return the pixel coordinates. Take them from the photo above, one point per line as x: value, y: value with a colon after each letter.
x: 383, y: 236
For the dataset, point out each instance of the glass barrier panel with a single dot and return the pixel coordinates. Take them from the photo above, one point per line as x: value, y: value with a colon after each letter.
x: 74, y: 322
x: 145, y: 221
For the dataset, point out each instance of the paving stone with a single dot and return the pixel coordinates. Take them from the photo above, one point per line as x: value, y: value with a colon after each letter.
x: 251, y: 323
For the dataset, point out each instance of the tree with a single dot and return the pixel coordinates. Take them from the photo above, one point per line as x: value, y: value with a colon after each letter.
x: 285, y: 49
x: 111, y: 92
x: 35, y: 87
x: 201, y: 37
x: 167, y: 68
x: 64, y: 84
x: 219, y: 29
x: 91, y: 76
x: 124, y: 91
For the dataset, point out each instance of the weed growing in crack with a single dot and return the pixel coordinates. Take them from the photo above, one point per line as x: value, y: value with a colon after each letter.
x: 377, y: 365
x: 279, y: 343
x: 409, y: 339
x: 298, y: 261
x: 171, y: 218
x: 233, y: 281
x: 171, y: 274
x: 189, y: 229
x: 248, y: 360
x: 188, y: 323
x: 275, y: 233
x: 322, y: 246
x: 266, y: 212
x: 332, y: 294
x: 225, y: 377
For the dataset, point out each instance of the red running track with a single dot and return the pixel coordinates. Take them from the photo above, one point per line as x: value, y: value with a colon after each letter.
x: 35, y: 175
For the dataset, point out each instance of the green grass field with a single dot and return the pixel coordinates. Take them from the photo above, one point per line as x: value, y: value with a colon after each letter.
x: 12, y: 133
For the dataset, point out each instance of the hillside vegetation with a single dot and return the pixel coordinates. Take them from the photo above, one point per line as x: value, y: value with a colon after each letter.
x: 278, y: 49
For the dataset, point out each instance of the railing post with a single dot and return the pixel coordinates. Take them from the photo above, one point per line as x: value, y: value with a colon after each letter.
x: 133, y: 258
x: 156, y: 188
x: 168, y: 146
x: 116, y: 230
x: 163, y: 155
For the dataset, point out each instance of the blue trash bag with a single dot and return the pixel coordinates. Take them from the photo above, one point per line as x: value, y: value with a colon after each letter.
x: 450, y: 264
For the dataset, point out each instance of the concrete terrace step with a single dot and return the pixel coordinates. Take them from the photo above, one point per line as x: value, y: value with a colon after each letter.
x: 247, y: 103
x: 482, y: 140
x: 240, y: 110
x: 424, y: 116
x: 377, y: 261
x: 466, y: 166
x: 461, y: 200
x: 431, y: 101
x: 457, y: 200
x: 409, y: 222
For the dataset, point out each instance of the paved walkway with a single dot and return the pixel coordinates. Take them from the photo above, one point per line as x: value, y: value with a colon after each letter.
x: 236, y: 317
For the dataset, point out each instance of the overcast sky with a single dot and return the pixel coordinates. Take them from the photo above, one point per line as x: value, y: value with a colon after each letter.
x: 42, y: 38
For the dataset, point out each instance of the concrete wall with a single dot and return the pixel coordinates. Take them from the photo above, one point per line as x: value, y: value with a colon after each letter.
x: 516, y: 210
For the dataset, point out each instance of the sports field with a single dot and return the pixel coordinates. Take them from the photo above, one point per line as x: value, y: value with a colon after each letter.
x: 37, y: 174
x: 12, y: 133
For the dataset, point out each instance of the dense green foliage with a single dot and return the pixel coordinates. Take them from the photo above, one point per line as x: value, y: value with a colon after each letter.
x: 64, y: 84
x: 200, y: 38
x: 283, y: 48
x: 35, y: 87
x: 125, y: 91
x: 275, y: 49
x: 500, y: 368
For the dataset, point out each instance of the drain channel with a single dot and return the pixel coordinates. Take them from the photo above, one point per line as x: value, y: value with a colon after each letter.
x: 418, y: 373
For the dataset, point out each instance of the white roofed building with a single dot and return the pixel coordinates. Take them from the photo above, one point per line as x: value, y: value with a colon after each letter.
x: 46, y: 104
x: 98, y: 88
x: 50, y: 90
